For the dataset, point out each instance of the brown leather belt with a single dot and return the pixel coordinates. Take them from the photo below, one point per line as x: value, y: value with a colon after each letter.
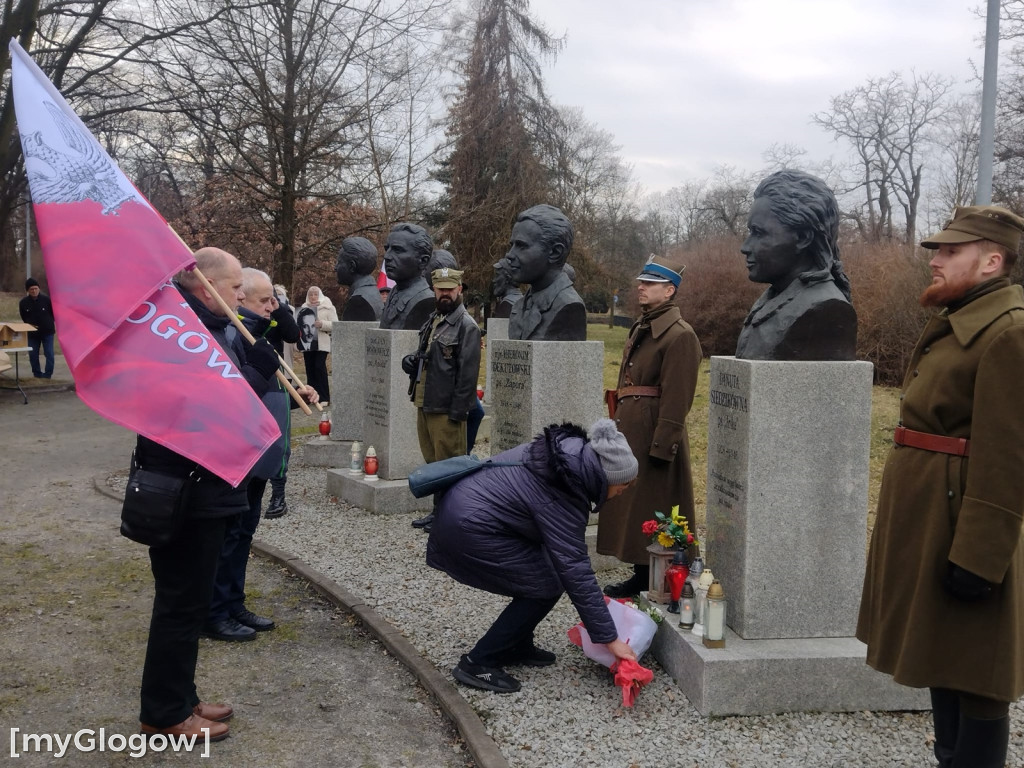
x: 957, y: 446
x: 638, y: 392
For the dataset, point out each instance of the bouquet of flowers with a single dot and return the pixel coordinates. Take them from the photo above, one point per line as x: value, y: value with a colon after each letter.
x: 670, y: 530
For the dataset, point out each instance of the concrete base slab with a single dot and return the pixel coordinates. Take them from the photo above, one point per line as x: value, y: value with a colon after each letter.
x: 386, y: 497
x: 759, y: 677
x: 320, y: 452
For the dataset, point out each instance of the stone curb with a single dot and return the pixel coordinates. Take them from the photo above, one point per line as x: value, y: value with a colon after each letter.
x: 481, y: 746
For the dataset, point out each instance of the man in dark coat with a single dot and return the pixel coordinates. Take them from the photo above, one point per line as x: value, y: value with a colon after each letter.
x: 520, y: 531
x: 229, y: 619
x: 183, y: 569
x: 37, y: 309
x: 943, y: 600
x: 356, y: 261
x: 444, y: 373
x: 551, y: 310
x: 657, y: 380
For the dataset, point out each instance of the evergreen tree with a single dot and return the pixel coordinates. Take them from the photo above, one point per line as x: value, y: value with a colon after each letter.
x: 494, y: 125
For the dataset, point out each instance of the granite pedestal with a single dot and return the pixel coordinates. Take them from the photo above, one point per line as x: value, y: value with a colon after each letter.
x: 787, y: 493
x: 497, y: 330
x: 348, y: 379
x: 788, y: 449
x: 538, y: 383
x: 389, y: 422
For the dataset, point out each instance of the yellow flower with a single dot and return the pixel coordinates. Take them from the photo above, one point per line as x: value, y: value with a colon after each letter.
x: 676, y: 517
x: 665, y: 540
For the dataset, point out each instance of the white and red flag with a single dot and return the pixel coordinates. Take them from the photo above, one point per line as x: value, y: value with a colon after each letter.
x: 139, y: 355
x: 383, y: 281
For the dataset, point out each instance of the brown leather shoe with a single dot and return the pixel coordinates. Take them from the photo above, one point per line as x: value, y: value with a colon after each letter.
x: 191, y: 726
x: 218, y: 713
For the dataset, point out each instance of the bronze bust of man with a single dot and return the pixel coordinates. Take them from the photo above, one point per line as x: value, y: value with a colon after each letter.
x: 805, y: 314
x: 551, y: 310
x: 411, y: 300
x: 504, y: 289
x: 439, y: 259
x: 356, y: 261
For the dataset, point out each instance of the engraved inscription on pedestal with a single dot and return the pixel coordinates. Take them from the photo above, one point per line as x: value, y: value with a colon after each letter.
x: 728, y: 434
x: 378, y: 364
x: 512, y: 378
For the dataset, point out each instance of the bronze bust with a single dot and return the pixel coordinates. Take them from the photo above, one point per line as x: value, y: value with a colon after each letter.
x: 805, y: 314
x: 504, y: 289
x: 411, y: 300
x: 551, y: 310
x: 356, y: 261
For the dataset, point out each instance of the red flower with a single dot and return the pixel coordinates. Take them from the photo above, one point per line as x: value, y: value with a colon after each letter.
x: 689, y: 538
x: 650, y: 527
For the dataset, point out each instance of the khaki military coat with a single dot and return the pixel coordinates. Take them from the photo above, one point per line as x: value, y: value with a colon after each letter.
x: 662, y: 351
x: 964, y: 381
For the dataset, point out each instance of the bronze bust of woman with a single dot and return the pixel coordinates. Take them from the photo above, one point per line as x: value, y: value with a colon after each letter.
x: 805, y: 314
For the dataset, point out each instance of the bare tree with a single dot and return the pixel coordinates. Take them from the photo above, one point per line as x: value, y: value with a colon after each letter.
x: 496, y: 125
x: 891, y: 123
x: 280, y: 97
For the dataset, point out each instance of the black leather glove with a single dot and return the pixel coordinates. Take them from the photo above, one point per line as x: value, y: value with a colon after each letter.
x: 263, y: 357
x: 409, y: 364
x: 966, y: 586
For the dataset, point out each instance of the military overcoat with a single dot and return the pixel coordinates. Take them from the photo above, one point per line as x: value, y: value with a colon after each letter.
x: 964, y: 381
x: 663, y: 352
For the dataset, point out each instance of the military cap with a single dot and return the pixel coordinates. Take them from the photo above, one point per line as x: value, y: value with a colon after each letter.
x: 980, y: 222
x: 446, y: 277
x: 658, y: 270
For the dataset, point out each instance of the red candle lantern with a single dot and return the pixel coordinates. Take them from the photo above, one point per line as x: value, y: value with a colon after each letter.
x: 675, y: 577
x: 325, y: 424
x: 370, y: 464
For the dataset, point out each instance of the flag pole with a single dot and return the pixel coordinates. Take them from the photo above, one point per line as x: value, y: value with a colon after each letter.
x: 232, y: 314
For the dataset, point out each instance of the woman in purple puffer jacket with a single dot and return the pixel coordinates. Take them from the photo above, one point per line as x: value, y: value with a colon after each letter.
x: 520, y: 531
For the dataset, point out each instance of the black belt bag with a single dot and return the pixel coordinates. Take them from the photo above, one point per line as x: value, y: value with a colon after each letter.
x: 154, y: 505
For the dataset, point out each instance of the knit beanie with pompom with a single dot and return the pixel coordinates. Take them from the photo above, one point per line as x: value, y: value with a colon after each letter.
x: 617, y: 460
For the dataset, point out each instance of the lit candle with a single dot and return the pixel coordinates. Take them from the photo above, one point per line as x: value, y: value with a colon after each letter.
x: 714, y: 622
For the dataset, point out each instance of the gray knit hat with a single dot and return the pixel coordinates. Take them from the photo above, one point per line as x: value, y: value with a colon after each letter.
x: 617, y: 460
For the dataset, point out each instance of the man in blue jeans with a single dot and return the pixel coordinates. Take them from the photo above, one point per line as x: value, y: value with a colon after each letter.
x: 37, y: 309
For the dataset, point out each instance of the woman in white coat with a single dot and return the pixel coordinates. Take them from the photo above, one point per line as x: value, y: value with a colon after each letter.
x: 316, y: 317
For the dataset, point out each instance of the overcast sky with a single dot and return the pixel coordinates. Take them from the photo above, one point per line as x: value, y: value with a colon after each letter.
x: 688, y: 85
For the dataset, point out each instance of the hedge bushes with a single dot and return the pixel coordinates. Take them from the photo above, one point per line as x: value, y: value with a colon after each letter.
x: 886, y: 280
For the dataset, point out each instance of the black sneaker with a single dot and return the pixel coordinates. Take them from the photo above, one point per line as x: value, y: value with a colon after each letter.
x: 489, y: 678
x: 530, y: 656
x: 423, y: 522
x: 276, y: 508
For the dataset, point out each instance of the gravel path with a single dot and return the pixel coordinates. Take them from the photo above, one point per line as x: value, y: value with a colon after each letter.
x: 570, y: 714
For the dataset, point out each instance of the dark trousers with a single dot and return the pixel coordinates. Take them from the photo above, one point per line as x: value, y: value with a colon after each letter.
x: 35, y: 341
x: 229, y: 583
x: 476, y: 415
x: 183, y: 582
x: 512, y: 630
x: 316, y: 374
x: 970, y: 731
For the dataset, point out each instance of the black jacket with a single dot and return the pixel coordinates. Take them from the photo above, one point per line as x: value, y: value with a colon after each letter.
x: 38, y: 312
x: 451, y: 364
